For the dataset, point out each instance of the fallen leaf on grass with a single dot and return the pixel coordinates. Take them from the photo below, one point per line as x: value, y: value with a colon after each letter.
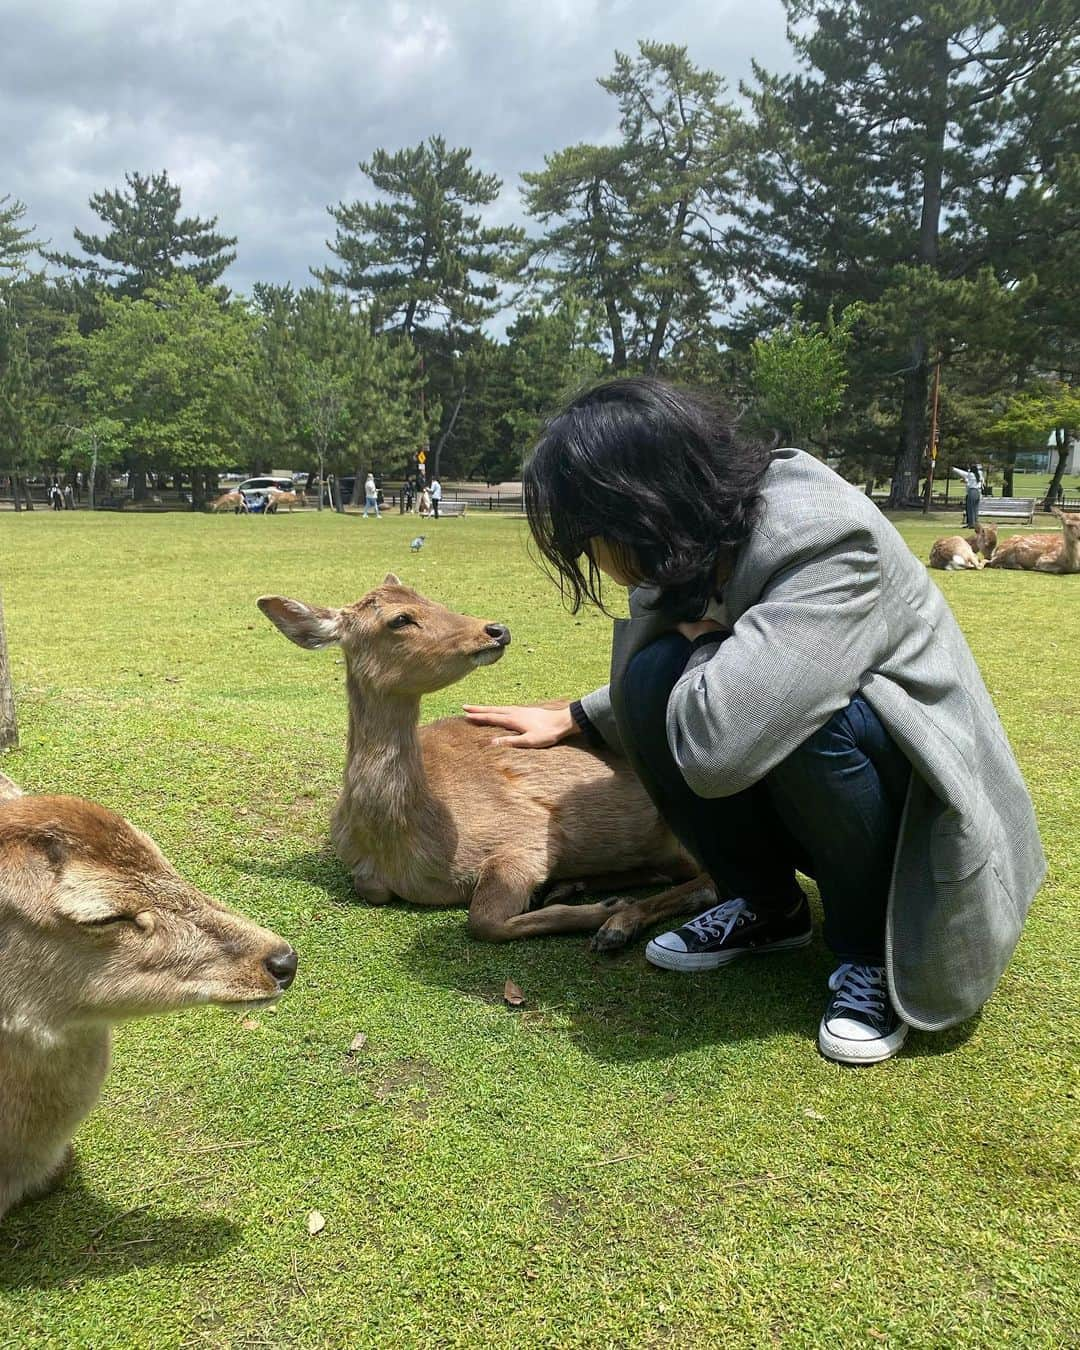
x: 512, y: 995
x: 315, y: 1222
x: 250, y: 1024
x: 357, y: 1043
x: 814, y: 1115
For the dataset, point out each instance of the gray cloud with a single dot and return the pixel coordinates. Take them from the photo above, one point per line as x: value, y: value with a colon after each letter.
x: 261, y: 109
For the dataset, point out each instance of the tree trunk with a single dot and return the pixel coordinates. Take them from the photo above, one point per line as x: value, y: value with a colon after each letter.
x: 916, y: 383
x: 1008, y: 470
x: 447, y: 433
x: 137, y: 482
x: 663, y: 318
x: 618, y: 339
x: 198, y: 489
x: 322, y: 483
x: 9, y: 728
x: 905, y: 483
x: 357, y: 487
x: 1063, y: 443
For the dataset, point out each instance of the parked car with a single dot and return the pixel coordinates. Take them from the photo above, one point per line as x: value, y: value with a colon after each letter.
x: 260, y: 487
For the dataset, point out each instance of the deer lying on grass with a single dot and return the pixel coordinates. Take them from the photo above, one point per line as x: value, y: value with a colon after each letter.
x: 1043, y: 552
x: 437, y: 815
x: 984, y: 540
x: 96, y: 926
x: 954, y: 553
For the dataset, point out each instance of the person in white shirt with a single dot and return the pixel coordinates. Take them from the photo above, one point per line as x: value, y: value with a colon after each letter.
x: 436, y: 497
x: 973, y: 479
x: 371, y: 496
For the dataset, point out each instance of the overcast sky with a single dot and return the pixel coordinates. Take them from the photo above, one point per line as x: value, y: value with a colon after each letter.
x: 261, y: 109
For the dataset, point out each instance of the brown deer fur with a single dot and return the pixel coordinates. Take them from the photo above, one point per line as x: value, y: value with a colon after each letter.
x: 96, y: 926
x: 984, y: 540
x: 1043, y: 552
x: 438, y: 815
x: 279, y: 498
x: 228, y: 501
x: 954, y: 554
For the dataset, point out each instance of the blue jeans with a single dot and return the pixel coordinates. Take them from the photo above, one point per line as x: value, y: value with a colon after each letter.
x: 972, y: 500
x: 831, y: 810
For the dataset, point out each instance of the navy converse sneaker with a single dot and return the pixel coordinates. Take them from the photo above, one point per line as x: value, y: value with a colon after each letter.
x: 728, y: 931
x: 860, y: 1025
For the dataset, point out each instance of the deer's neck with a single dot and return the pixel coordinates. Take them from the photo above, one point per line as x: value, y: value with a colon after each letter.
x: 385, y: 784
x: 1069, y: 556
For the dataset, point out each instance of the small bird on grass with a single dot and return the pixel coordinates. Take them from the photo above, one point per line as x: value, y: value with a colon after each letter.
x: 418, y: 543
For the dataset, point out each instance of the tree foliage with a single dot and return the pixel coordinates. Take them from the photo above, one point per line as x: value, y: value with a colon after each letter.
x: 419, y: 254
x: 147, y: 241
x: 636, y: 226
x: 885, y: 170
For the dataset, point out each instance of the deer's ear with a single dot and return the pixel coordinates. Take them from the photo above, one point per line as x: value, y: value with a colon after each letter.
x: 310, y: 626
x: 391, y: 579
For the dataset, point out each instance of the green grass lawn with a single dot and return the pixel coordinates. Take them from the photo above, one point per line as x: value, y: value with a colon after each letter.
x: 636, y: 1159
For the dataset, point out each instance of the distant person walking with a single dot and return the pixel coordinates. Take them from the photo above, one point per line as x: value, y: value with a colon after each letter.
x: 56, y: 497
x: 371, y: 497
x: 423, y: 506
x: 69, y: 497
x: 973, y: 481
x: 436, y: 497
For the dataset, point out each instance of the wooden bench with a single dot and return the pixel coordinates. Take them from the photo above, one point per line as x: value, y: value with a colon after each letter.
x: 451, y: 508
x: 1008, y: 508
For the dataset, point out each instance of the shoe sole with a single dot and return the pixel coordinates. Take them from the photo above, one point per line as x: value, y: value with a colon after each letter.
x: 693, y: 961
x: 848, y: 1052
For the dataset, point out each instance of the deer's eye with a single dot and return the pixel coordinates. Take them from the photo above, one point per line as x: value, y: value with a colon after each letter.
x: 108, y: 919
x: 401, y: 621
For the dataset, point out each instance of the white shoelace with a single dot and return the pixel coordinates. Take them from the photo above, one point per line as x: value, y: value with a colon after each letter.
x: 860, y: 988
x: 720, y: 920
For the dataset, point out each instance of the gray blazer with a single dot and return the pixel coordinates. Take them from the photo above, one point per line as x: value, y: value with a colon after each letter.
x: 826, y: 601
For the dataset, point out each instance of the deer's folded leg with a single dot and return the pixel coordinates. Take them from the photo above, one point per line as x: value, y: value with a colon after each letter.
x: 498, y: 910
x: 691, y: 897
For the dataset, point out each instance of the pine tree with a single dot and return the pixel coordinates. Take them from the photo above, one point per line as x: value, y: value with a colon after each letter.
x: 419, y: 255
x: 636, y: 226
x: 16, y: 240
x: 148, y: 242
x: 882, y: 168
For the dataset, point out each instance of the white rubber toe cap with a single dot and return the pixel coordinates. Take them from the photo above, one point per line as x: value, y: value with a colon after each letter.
x: 668, y: 942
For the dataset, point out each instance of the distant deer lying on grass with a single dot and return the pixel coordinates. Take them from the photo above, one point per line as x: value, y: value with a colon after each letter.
x: 954, y: 553
x: 1043, y: 552
x: 438, y: 815
x: 96, y: 926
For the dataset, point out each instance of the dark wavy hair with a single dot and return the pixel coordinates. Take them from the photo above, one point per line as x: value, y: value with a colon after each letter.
x: 656, y: 471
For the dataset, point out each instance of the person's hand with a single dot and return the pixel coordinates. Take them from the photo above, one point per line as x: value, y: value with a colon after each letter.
x: 690, y: 631
x: 530, y: 728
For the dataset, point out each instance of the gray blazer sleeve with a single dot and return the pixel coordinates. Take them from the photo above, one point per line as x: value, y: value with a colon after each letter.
x: 798, y: 654
x: 598, y: 710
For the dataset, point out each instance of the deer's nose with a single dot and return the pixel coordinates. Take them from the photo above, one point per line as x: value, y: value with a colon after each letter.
x: 499, y: 632
x: 282, y: 965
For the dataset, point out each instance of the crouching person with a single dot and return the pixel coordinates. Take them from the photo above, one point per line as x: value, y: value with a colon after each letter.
x: 795, y: 694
